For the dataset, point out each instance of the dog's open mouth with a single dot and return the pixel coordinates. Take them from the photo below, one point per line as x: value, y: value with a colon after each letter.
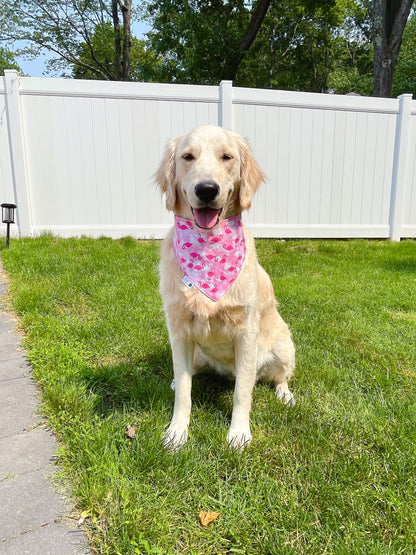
x: 206, y: 218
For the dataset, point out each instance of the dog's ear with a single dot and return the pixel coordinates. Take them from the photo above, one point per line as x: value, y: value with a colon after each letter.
x: 165, y: 176
x: 251, y: 175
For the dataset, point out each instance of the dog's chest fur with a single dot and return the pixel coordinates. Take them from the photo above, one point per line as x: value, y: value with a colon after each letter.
x: 218, y: 327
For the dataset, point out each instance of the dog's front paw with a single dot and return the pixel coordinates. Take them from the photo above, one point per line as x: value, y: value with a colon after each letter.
x: 239, y: 439
x: 284, y: 394
x: 175, y: 437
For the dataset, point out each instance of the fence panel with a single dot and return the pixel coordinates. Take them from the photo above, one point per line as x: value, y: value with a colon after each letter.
x: 409, y: 212
x: 78, y: 157
x: 92, y: 152
x: 6, y: 178
x: 329, y: 167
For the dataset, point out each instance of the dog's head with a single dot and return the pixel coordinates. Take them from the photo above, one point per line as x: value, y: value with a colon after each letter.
x: 208, y: 174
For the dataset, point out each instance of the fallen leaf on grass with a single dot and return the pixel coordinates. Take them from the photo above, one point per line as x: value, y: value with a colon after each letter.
x: 130, y: 431
x: 205, y: 517
x: 84, y: 516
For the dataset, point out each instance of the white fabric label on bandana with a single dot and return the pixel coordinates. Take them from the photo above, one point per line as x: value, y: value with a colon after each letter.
x: 187, y: 282
x: 211, y: 259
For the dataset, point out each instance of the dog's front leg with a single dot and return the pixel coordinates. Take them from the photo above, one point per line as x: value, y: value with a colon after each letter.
x: 182, y: 356
x: 239, y: 434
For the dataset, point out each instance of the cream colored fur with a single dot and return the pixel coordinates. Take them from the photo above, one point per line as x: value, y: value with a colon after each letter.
x: 242, y: 336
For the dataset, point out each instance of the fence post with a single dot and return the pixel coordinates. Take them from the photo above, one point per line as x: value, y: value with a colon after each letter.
x: 225, y: 115
x: 400, y: 165
x: 17, y: 152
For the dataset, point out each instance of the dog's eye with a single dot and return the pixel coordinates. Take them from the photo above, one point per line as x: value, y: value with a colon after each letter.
x: 188, y: 156
x: 226, y: 157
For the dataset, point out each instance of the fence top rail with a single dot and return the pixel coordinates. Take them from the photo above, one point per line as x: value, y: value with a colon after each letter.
x: 41, y: 86
x: 317, y: 101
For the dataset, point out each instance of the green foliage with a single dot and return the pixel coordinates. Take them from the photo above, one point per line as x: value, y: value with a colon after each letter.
x: 55, y: 26
x: 301, y: 45
x: 352, y: 64
x: 305, y: 45
x: 102, y: 48
x: 143, y: 61
x: 334, y: 474
x: 196, y: 38
x: 405, y: 74
x: 321, y: 46
x: 7, y: 60
x: 295, y: 48
x: 75, y: 33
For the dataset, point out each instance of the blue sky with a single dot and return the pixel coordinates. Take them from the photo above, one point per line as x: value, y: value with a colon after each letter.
x: 36, y: 67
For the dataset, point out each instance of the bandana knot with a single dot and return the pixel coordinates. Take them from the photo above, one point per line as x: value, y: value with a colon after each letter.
x: 211, y: 259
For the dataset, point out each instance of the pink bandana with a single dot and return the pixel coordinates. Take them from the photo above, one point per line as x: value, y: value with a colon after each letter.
x: 211, y: 259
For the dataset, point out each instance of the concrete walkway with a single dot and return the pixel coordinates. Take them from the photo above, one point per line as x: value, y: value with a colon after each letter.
x: 32, y: 513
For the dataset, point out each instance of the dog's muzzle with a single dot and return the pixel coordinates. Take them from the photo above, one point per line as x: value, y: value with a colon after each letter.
x: 206, y: 217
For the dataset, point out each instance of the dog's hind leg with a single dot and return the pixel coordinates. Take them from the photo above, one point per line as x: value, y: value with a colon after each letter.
x: 281, y: 368
x: 284, y: 394
x: 285, y: 353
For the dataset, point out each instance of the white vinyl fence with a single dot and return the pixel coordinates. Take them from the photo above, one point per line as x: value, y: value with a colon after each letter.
x: 77, y: 157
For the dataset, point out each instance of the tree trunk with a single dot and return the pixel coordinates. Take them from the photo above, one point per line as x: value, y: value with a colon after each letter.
x: 117, y: 41
x: 389, y: 20
x: 126, y: 13
x: 257, y: 18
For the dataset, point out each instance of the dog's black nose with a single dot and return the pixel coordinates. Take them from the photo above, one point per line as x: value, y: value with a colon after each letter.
x: 207, y: 191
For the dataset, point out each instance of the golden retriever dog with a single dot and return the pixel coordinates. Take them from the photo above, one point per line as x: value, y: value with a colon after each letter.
x: 219, y: 302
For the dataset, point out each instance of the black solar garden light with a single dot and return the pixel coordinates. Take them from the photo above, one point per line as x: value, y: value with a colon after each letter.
x: 7, y: 216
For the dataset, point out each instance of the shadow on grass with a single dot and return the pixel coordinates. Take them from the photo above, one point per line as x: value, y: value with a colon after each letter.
x: 128, y: 385
x: 144, y: 384
x: 403, y: 266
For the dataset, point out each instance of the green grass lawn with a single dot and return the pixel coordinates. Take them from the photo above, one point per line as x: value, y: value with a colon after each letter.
x: 335, y: 474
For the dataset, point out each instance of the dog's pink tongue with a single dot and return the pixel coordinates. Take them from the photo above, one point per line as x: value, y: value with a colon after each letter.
x: 206, y: 217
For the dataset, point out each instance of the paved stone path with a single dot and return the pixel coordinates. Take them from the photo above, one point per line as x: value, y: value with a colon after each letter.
x: 32, y: 513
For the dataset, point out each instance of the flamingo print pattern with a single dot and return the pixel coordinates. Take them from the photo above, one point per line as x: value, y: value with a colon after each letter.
x: 211, y: 259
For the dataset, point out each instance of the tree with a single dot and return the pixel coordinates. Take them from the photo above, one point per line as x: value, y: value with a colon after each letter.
x: 122, y: 39
x: 204, y: 41
x: 7, y: 60
x: 143, y: 62
x: 404, y: 80
x: 257, y: 16
x: 293, y: 44
x: 353, y: 52
x: 389, y: 20
x: 312, y: 45
x: 295, y: 47
x: 62, y: 26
